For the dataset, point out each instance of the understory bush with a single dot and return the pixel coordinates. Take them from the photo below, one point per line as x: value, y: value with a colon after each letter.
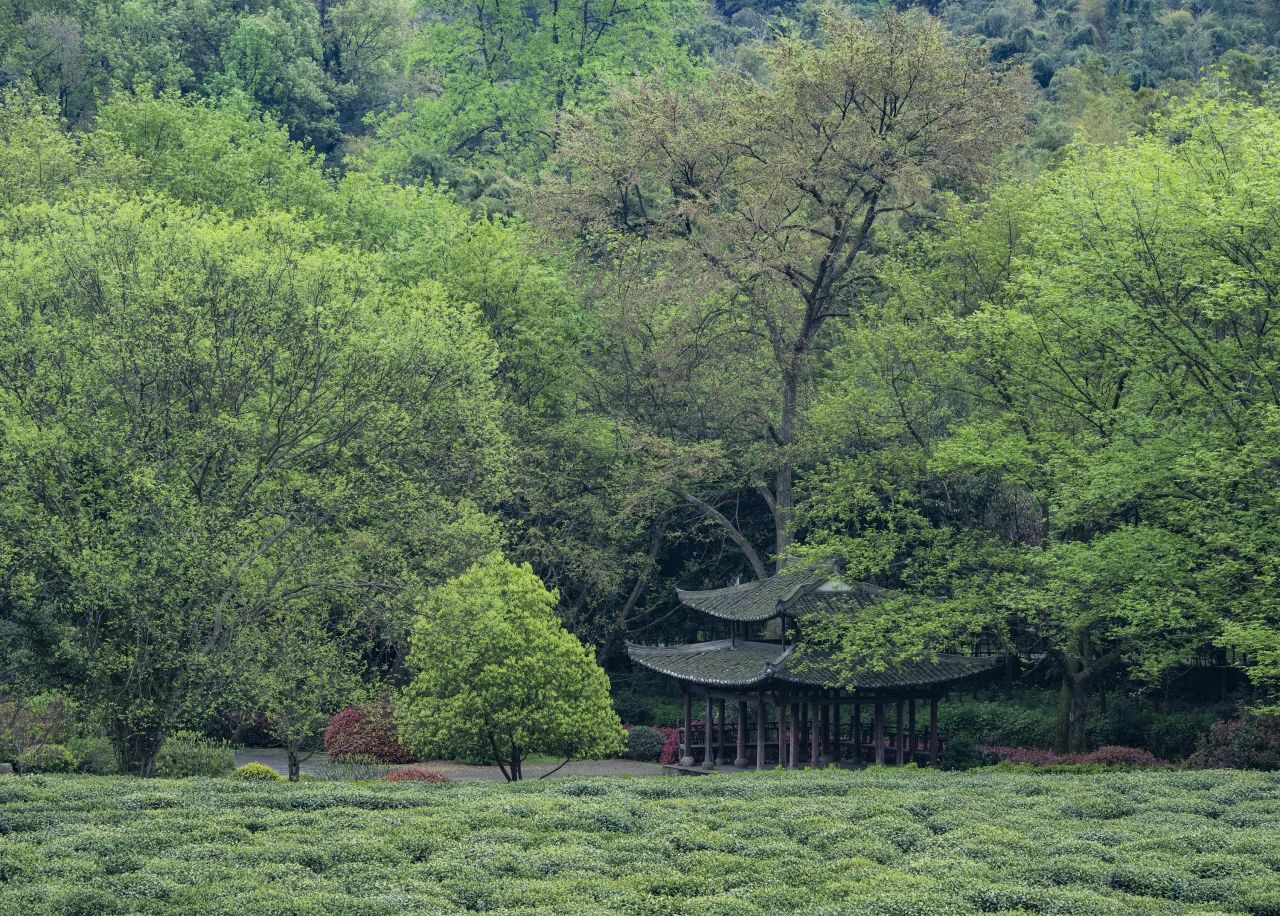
x: 25, y: 721
x: 645, y: 743
x: 657, y: 710
x: 1029, y: 721
x: 257, y: 772
x: 670, y: 748
x: 190, y: 754
x: 415, y: 774
x: 1103, y: 756
x: 1249, y: 741
x: 94, y: 755
x: 46, y: 758
x: 367, y: 731
x: 1153, y: 842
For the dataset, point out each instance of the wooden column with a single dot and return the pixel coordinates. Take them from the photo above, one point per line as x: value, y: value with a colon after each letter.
x: 933, y: 731
x: 741, y: 760
x: 720, y: 736
x: 877, y: 734
x: 824, y: 738
x: 760, y: 721
x: 708, y: 751
x: 686, y: 750
x: 900, y: 738
x: 911, y: 728
x: 782, y: 731
x: 815, y: 736
x: 793, y: 751
x: 837, y: 752
x: 855, y: 732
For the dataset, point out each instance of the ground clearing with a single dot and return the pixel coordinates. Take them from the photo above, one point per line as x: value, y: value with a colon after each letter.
x: 878, y: 842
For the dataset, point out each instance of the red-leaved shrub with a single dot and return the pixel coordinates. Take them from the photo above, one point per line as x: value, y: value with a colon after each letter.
x: 1104, y: 756
x: 415, y: 774
x: 1249, y: 741
x: 671, y: 748
x: 367, y: 731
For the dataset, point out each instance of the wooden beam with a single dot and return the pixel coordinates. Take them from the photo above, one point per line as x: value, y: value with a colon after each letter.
x: 815, y: 735
x: 933, y: 731
x: 708, y: 752
x: 855, y: 732
x: 760, y: 723
x: 720, y: 737
x: 740, y: 761
x: 793, y: 751
x: 686, y: 750
x: 877, y: 736
x: 900, y: 738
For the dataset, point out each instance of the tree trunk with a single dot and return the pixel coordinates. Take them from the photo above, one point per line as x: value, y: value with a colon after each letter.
x: 136, y: 751
x: 295, y: 769
x: 1080, y: 673
x: 1073, y: 712
x: 783, y: 491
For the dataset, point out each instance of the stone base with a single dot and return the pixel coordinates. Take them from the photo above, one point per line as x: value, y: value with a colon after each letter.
x: 740, y: 763
x: 6, y: 769
x: 686, y: 761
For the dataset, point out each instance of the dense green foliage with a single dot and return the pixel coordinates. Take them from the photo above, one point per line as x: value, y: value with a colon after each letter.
x: 306, y: 307
x: 496, y: 676
x: 880, y: 842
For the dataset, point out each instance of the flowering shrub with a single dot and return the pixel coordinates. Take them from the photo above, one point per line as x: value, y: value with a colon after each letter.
x: 1249, y: 741
x: 415, y: 774
x: 1103, y: 756
x: 368, y: 732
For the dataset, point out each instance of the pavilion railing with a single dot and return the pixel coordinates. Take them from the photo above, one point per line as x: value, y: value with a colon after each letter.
x: 847, y: 747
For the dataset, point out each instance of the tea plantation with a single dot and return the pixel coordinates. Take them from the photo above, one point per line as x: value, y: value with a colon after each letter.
x: 878, y: 842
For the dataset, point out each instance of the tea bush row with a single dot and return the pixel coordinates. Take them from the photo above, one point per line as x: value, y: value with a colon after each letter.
x: 883, y: 841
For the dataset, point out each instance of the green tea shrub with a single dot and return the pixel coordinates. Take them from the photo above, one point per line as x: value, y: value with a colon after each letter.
x: 189, y: 754
x: 883, y: 840
x: 95, y: 756
x: 257, y: 772
x: 644, y: 743
x: 46, y: 758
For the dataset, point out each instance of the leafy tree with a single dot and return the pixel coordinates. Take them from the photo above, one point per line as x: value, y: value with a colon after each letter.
x: 504, y: 75
x: 1103, y: 479
x: 295, y: 671
x: 752, y: 209
x: 208, y: 422
x: 496, y: 676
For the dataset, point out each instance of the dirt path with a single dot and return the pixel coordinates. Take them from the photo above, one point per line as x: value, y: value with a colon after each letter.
x: 279, y: 761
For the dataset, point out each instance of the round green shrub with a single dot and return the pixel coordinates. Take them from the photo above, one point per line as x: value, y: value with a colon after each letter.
x: 644, y: 743
x: 46, y: 758
x: 95, y: 756
x: 960, y: 754
x: 257, y: 772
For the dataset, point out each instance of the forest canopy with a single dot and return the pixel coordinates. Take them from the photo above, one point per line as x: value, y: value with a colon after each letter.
x: 313, y: 312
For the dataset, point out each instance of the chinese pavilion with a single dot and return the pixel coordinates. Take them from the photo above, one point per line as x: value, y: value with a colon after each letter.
x: 793, y: 704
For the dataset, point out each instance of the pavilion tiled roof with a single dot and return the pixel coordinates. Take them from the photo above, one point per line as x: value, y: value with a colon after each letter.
x: 794, y: 593
x: 730, y: 663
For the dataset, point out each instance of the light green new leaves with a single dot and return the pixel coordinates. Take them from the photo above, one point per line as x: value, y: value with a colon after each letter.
x: 498, y: 677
